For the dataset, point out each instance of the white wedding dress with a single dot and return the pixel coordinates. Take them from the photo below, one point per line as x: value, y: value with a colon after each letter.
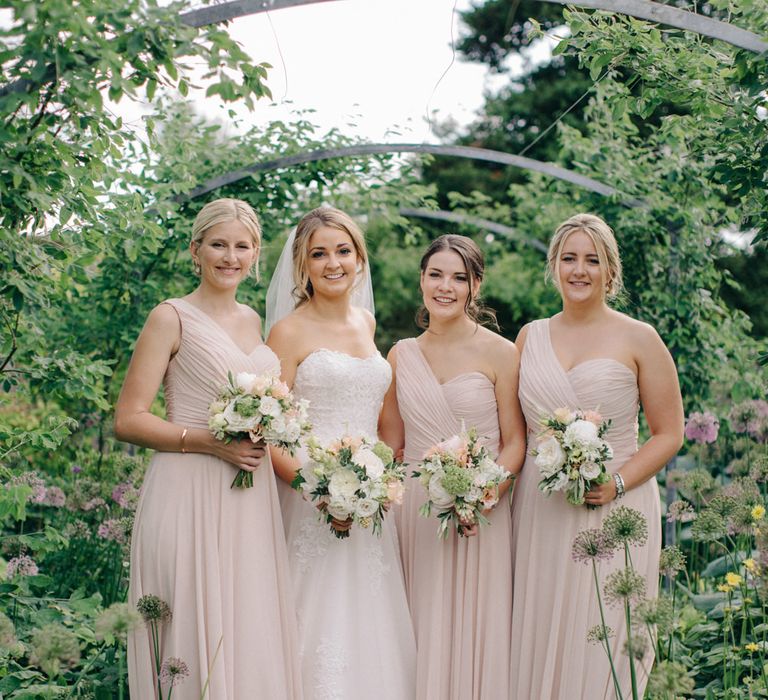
x: 355, y: 632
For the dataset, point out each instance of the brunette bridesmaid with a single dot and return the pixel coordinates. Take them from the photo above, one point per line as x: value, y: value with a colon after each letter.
x: 456, y: 374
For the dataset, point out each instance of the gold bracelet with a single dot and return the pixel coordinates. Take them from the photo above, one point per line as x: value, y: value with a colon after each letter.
x: 183, y: 436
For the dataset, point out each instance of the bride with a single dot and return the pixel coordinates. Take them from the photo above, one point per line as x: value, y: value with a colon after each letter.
x: 356, y: 639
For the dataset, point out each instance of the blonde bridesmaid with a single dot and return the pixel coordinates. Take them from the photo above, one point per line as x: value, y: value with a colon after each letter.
x: 215, y: 555
x: 456, y: 374
x: 589, y: 357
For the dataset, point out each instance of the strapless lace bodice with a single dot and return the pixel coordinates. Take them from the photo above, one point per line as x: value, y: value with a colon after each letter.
x: 344, y: 392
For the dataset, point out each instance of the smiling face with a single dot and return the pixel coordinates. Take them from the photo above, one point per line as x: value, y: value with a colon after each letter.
x: 332, y: 261
x: 580, y: 275
x: 225, y: 254
x: 445, y: 285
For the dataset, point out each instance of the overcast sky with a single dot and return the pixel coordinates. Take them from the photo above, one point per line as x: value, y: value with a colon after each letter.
x: 374, y: 64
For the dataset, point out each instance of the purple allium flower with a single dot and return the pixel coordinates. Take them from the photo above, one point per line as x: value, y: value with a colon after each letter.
x: 116, y: 529
x: 589, y: 545
x: 76, y: 469
x: 702, y: 428
x: 680, y: 511
x: 126, y: 495
x: 173, y: 671
x: 750, y: 417
x: 32, y: 480
x: 94, y: 503
x: 23, y: 565
x: 55, y: 497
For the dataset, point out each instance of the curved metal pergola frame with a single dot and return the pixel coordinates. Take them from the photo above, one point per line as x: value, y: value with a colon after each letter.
x: 365, y: 149
x: 675, y: 17
x: 486, y: 224
x: 642, y: 9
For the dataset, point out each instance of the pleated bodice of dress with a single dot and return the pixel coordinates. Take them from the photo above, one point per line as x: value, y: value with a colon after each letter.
x: 603, y: 385
x: 198, y: 371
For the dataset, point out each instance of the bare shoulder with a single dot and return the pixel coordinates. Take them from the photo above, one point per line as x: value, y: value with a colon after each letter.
x: 498, y: 348
x: 367, y: 318
x: 163, y: 318
x: 639, y: 334
x: 250, y: 315
x: 286, y: 331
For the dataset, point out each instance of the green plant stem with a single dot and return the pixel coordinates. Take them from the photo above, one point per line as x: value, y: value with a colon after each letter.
x: 84, y: 669
x: 156, y: 651
x: 630, y: 651
x: 210, y: 668
x: 120, y: 690
x: 616, y: 685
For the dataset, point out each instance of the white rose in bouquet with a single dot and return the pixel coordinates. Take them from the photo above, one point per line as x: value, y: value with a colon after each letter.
x: 341, y: 508
x: 366, y: 507
x: 342, y: 485
x: 244, y: 381
x: 270, y: 406
x: 238, y: 423
x: 292, y: 430
x: 549, y: 457
x: 437, y: 494
x: 590, y: 470
x: 365, y: 457
x: 582, y: 433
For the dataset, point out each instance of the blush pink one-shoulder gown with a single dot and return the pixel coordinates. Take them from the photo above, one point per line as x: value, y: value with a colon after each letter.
x: 216, y: 555
x: 555, y: 603
x: 459, y: 589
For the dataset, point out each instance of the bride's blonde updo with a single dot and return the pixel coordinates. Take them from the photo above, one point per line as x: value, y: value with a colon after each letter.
x: 317, y: 218
x: 604, y: 240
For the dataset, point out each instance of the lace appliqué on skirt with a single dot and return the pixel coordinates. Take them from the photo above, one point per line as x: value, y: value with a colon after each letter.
x: 313, y: 541
x: 332, y: 660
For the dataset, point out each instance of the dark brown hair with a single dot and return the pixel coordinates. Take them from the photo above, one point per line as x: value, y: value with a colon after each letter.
x: 474, y: 265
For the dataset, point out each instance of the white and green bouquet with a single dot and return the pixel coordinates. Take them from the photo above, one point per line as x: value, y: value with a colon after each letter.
x: 260, y: 408
x: 354, y: 480
x: 571, y: 453
x: 461, y: 481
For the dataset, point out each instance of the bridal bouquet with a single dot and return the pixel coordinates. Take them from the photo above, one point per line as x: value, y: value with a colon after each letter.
x: 571, y: 453
x: 259, y: 407
x: 353, y: 479
x: 461, y: 480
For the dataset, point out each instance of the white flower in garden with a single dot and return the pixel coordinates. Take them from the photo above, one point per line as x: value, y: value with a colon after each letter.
x: 244, y: 381
x: 366, y: 507
x: 365, y: 457
x: 550, y: 457
x: 590, y: 470
x: 582, y: 433
x: 343, y: 484
x: 437, y: 494
x: 270, y: 406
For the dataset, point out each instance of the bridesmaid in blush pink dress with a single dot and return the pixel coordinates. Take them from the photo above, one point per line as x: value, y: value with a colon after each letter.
x: 457, y: 374
x: 215, y: 554
x: 587, y: 357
